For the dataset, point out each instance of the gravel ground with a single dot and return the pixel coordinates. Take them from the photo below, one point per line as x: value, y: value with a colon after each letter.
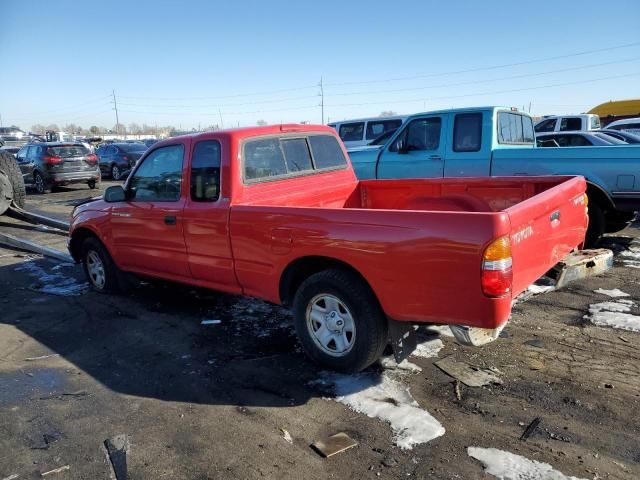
x: 213, y: 401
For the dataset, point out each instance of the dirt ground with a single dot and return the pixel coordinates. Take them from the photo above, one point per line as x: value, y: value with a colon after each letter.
x: 212, y: 401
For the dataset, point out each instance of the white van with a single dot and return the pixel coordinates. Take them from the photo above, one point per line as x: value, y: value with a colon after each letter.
x: 360, y: 132
x: 631, y: 125
x: 568, y: 123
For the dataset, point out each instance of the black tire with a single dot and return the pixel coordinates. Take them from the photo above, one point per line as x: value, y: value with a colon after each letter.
x: 40, y: 183
x: 615, y: 227
x: 93, y: 246
x: 9, y: 167
x: 370, y: 322
x: 596, y: 226
x: 92, y: 184
x: 116, y: 174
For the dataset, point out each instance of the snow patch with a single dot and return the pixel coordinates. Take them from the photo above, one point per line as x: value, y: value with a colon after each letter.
x: 429, y: 349
x: 614, y: 314
x: 380, y: 396
x: 389, y: 363
x: 615, y: 293
x: 442, y: 330
x: 538, y: 289
x: 53, y: 283
x: 509, y: 466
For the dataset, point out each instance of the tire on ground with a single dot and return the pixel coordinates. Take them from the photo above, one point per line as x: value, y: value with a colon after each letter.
x: 596, y: 225
x: 111, y: 272
x: 368, y: 318
x: 10, y: 169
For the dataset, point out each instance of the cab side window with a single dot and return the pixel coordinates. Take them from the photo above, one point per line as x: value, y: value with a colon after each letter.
x: 467, y: 132
x: 159, y: 177
x: 205, y: 171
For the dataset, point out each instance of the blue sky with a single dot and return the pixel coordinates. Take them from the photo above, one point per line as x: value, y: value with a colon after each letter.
x: 189, y: 63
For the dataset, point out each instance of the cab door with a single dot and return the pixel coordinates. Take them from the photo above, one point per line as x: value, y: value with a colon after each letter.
x: 148, y: 228
x: 418, y: 151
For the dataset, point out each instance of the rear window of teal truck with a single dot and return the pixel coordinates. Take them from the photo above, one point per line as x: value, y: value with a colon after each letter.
x: 514, y: 128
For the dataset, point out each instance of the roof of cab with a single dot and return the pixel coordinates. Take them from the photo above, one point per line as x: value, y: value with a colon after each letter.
x: 236, y: 134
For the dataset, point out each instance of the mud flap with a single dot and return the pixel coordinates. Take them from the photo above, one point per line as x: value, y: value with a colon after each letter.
x: 402, y: 337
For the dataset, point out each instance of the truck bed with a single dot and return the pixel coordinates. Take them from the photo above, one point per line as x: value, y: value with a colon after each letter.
x: 419, y: 242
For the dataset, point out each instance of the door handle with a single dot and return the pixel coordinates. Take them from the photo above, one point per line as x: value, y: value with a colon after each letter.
x: 435, y: 157
x: 170, y: 219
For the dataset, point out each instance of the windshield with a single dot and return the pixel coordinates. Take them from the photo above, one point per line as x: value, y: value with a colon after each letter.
x: 382, y: 139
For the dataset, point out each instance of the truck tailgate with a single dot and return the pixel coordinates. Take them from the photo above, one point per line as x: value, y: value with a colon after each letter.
x: 545, y: 228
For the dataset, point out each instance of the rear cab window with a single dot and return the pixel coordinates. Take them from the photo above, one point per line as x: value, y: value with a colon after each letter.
x: 272, y: 158
x: 595, y: 123
x: 570, y: 124
x: 515, y: 129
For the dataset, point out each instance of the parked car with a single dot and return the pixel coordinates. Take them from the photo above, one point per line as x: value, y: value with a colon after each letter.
x: 117, y: 159
x: 9, y: 149
x: 623, y: 135
x: 377, y: 143
x: 576, y: 139
x: 149, y: 141
x: 568, y: 123
x: 358, y: 133
x: 276, y: 212
x: 631, y: 125
x: 49, y: 164
x: 498, y: 141
x: 12, y: 134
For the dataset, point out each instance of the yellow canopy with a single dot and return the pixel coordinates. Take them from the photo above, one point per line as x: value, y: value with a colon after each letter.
x: 618, y: 108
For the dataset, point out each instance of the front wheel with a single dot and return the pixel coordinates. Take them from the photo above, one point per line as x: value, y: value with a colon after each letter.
x: 39, y: 183
x: 339, y: 321
x: 99, y: 267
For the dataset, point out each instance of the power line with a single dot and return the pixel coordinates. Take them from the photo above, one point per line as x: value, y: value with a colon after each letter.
x: 268, y: 92
x: 306, y: 107
x: 280, y: 100
x: 492, y: 67
x: 488, y: 93
x: 473, y: 82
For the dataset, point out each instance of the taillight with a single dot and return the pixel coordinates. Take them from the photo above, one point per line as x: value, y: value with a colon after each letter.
x: 91, y: 159
x: 52, y: 160
x: 125, y: 158
x: 497, y: 275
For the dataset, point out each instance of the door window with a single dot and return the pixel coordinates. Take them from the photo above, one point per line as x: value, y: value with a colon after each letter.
x: 578, y: 141
x: 350, y: 132
x: 375, y: 128
x: 205, y: 171
x: 467, y: 132
x: 22, y: 154
x: 546, y: 125
x: 159, y: 177
x: 422, y: 134
x: 570, y: 123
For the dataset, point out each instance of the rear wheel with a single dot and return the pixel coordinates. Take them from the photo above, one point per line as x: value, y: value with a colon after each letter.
x: 11, y: 184
x: 115, y: 172
x: 339, y: 321
x: 99, y: 267
x: 596, y: 226
x: 39, y: 183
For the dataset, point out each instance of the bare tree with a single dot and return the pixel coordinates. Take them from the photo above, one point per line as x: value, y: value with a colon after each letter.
x: 135, y: 129
x: 388, y: 113
x: 37, y: 128
x: 261, y: 123
x: 119, y: 129
x: 53, y: 127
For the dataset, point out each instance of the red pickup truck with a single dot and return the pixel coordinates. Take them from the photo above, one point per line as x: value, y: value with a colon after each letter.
x: 277, y: 213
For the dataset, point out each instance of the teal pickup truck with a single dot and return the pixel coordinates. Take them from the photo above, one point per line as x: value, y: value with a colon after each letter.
x: 497, y: 141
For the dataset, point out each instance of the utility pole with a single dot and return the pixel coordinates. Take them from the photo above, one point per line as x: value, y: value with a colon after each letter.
x: 322, y: 99
x: 115, y: 107
x: 221, y: 122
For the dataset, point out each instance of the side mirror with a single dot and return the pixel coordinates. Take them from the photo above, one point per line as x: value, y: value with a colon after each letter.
x: 115, y: 194
x: 402, y: 146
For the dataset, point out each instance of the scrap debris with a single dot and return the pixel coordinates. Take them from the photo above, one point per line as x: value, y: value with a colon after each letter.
x: 117, y: 450
x: 469, y: 375
x: 286, y: 435
x: 43, y: 357
x: 530, y: 429
x: 334, y: 444
x: 56, y: 470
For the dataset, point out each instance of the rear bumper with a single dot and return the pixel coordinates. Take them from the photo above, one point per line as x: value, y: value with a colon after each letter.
x: 66, y: 178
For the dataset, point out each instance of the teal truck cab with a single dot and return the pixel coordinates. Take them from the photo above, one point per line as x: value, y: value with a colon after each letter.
x: 498, y: 141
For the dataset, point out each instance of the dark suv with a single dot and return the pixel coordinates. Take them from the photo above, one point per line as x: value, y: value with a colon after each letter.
x: 48, y: 164
x: 117, y: 159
